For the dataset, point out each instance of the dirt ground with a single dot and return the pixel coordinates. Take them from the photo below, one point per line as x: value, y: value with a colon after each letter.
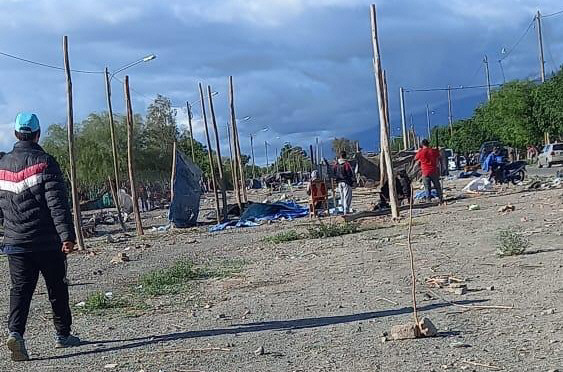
x: 323, y: 304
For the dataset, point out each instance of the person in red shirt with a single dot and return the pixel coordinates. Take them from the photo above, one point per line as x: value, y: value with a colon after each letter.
x: 429, y: 159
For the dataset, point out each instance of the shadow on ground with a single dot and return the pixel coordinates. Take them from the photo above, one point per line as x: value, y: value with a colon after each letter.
x: 276, y: 325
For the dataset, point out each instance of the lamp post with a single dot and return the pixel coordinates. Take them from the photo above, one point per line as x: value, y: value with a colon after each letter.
x: 252, y: 135
x: 108, y: 77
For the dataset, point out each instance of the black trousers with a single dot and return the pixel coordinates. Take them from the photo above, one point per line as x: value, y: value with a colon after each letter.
x: 24, y: 273
x: 432, y: 180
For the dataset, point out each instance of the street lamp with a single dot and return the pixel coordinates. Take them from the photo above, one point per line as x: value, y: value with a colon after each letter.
x: 108, y: 78
x: 252, y: 135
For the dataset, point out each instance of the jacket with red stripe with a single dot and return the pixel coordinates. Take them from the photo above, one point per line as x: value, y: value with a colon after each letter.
x: 34, y: 206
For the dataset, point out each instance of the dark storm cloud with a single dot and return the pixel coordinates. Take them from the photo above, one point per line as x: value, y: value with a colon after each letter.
x: 301, y: 67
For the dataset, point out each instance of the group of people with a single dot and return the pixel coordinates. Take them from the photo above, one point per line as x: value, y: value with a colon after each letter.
x: 430, y: 164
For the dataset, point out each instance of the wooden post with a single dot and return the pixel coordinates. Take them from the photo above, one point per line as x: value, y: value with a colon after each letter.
x: 130, y: 158
x: 236, y: 142
x: 234, y: 172
x: 113, y: 147
x: 190, y: 116
x: 218, y: 153
x: 70, y: 131
x: 209, y: 155
x: 173, y: 174
x: 403, y: 119
x: 383, y: 120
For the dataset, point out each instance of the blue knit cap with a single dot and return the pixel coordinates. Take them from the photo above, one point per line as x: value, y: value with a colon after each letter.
x: 27, y: 122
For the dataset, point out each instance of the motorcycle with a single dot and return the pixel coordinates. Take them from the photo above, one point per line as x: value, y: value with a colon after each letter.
x: 514, y: 172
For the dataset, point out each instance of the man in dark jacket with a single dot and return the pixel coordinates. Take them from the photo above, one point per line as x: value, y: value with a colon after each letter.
x: 344, y: 177
x: 38, y: 233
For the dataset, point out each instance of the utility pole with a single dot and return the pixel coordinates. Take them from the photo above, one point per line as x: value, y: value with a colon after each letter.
x: 190, y: 117
x: 486, y: 62
x: 540, y: 46
x: 428, y: 120
x: 70, y: 131
x: 542, y: 61
x: 130, y: 157
x: 267, y: 160
x: 252, y: 153
x: 403, y: 119
x: 277, y: 161
x: 450, y: 117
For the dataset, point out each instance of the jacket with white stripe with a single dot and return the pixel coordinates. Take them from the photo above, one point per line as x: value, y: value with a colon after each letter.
x: 34, y: 206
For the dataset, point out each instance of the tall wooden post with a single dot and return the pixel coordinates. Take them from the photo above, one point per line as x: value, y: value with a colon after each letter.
x: 209, y: 155
x: 450, y: 116
x: 383, y: 119
x: 130, y: 158
x: 236, y: 141
x: 113, y: 147
x: 218, y: 153
x: 234, y: 172
x: 190, y: 117
x: 404, y: 120
x: 173, y: 173
x: 70, y: 132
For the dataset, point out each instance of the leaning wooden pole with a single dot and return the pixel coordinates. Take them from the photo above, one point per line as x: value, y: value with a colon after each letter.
x: 210, y: 155
x: 70, y: 131
x: 173, y: 171
x: 218, y: 153
x: 236, y: 142
x: 113, y: 146
x: 190, y: 117
x: 383, y: 122
x: 130, y: 158
x: 234, y: 173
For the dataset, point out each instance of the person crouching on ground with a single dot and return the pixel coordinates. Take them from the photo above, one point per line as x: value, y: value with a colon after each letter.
x: 429, y: 159
x: 38, y: 233
x: 344, y: 176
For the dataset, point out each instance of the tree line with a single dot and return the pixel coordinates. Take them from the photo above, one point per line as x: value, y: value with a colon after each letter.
x: 518, y: 114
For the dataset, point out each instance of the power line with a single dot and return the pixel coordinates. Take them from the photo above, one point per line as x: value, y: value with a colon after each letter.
x: 510, y: 50
x: 452, y: 88
x: 552, y: 14
x: 47, y: 65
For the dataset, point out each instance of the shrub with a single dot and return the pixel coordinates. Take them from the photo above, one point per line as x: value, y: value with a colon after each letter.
x: 284, y: 236
x: 328, y: 231
x: 511, y: 243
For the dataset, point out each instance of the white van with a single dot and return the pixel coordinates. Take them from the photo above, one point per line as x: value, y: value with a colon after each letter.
x: 551, y: 154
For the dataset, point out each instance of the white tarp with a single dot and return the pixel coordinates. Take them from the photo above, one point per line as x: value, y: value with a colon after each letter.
x: 479, y: 185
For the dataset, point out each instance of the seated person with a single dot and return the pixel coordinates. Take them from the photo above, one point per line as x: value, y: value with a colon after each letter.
x: 495, y: 163
x: 402, y: 187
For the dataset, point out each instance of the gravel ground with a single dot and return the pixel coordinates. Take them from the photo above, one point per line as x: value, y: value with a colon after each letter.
x: 323, y: 304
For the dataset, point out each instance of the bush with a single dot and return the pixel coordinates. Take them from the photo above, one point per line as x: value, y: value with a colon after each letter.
x: 328, y: 231
x: 511, y: 243
x: 100, y: 301
x: 284, y: 236
x: 174, y: 279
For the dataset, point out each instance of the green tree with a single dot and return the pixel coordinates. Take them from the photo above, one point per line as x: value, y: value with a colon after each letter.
x: 344, y: 144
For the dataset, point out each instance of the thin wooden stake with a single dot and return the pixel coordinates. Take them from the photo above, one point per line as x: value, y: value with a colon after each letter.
x: 70, y: 132
x: 190, y: 117
x: 210, y: 155
x: 130, y: 158
x: 411, y: 255
x: 218, y: 153
x: 173, y: 174
x: 234, y: 172
x: 113, y: 146
x: 236, y: 141
x: 383, y: 116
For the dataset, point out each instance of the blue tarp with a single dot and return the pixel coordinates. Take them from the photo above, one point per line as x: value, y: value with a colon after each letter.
x: 264, y: 212
x: 421, y: 194
x: 184, y: 206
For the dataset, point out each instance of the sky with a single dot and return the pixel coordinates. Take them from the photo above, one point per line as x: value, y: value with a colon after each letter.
x: 302, y: 68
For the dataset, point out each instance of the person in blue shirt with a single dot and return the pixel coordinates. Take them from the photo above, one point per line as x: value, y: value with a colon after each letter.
x: 494, y: 163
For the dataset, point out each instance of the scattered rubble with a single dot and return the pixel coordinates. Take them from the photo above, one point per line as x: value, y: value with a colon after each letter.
x: 120, y: 258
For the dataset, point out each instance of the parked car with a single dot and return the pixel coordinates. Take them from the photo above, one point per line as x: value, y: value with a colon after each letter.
x: 452, y: 162
x: 551, y: 154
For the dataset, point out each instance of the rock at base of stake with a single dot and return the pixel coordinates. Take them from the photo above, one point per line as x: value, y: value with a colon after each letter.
x: 427, y: 328
x: 404, y: 332
x: 259, y: 351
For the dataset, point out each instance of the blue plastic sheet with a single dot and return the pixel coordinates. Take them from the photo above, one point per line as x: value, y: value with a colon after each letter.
x: 264, y: 212
x: 184, y: 206
x: 421, y: 194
